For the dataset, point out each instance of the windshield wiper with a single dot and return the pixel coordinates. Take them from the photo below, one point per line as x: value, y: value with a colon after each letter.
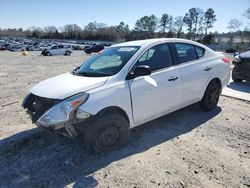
x: 93, y: 74
x: 75, y: 71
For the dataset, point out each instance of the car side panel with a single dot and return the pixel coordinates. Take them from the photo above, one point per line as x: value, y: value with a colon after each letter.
x: 53, y: 51
x: 155, y: 94
x: 116, y: 95
x: 221, y: 70
x: 194, y: 78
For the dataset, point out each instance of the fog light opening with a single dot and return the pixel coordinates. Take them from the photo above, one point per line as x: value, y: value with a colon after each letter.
x: 82, y: 114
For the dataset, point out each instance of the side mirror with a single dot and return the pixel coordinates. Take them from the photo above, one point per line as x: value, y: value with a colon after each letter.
x: 141, y: 70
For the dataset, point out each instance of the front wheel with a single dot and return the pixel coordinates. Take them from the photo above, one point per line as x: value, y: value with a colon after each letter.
x: 48, y: 54
x: 211, y: 96
x: 109, y: 131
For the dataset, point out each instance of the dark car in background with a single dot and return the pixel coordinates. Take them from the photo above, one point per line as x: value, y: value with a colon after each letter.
x: 241, y: 70
x: 94, y: 48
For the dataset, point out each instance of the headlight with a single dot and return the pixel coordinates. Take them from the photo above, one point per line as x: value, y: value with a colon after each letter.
x: 60, y: 113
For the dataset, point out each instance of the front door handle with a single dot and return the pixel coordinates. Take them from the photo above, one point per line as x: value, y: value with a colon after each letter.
x: 173, y: 78
x: 207, y: 68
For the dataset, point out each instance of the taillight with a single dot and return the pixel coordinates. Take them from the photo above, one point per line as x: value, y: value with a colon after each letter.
x: 101, y: 51
x: 226, y: 60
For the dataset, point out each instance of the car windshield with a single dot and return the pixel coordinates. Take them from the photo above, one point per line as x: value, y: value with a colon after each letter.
x: 107, y: 62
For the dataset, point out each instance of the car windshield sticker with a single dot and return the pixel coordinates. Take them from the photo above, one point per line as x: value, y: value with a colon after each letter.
x: 127, y: 49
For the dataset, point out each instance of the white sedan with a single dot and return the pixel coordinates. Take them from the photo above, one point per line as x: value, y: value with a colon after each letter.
x: 127, y: 85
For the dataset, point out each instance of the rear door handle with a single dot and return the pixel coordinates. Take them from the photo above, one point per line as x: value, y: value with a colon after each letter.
x: 207, y: 68
x: 173, y: 78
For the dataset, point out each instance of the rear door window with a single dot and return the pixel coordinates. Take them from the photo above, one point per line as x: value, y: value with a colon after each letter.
x: 200, y: 51
x: 186, y: 52
x: 60, y: 46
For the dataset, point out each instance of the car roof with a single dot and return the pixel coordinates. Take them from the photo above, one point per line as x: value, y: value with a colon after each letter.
x: 155, y: 41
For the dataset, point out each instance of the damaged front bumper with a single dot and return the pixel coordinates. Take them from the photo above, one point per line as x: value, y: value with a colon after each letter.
x: 71, y: 126
x: 60, y: 116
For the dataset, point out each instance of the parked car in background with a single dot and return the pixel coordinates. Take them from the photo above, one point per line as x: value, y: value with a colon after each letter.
x: 241, y: 70
x: 94, y: 48
x: 127, y: 85
x: 86, y: 46
x: 230, y: 50
x: 16, y: 48
x: 57, y: 50
x: 2, y: 48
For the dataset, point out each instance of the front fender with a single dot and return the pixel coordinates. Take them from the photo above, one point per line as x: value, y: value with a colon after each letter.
x: 117, y: 95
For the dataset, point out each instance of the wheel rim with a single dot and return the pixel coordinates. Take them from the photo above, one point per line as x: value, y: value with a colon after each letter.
x: 213, y: 96
x: 108, y: 136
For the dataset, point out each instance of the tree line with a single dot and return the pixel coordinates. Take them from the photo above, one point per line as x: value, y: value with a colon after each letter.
x: 195, y: 25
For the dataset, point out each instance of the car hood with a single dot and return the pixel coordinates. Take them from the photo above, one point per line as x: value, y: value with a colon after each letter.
x: 66, y: 85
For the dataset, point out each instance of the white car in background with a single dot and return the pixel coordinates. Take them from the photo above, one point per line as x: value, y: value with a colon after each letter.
x: 57, y: 50
x: 127, y: 85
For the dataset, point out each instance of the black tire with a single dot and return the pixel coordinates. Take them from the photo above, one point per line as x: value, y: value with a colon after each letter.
x: 67, y: 53
x: 235, y: 79
x: 109, y: 131
x: 48, y: 54
x: 211, y: 96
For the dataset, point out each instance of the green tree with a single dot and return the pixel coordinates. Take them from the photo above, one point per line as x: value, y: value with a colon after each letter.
x: 209, y: 19
x: 164, y: 22
x: 189, y: 21
x: 123, y: 28
x: 198, y: 22
x: 146, y: 24
x: 193, y: 20
x: 178, y: 25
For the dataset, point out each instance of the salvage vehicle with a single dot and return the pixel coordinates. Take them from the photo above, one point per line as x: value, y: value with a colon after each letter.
x: 241, y: 70
x: 57, y: 50
x: 126, y: 85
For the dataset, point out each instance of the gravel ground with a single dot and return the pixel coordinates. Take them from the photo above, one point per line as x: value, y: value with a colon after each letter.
x: 188, y: 148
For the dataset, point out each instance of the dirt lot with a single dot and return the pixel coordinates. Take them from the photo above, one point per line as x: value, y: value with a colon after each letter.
x: 188, y: 148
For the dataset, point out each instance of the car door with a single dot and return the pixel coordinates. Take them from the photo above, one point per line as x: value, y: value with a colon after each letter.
x: 160, y: 92
x: 195, y: 72
x: 53, y: 50
x: 61, y: 49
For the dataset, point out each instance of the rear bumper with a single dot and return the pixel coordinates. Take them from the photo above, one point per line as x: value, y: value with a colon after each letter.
x: 241, y: 74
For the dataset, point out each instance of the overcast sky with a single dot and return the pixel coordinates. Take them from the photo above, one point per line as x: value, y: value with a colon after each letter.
x: 17, y: 13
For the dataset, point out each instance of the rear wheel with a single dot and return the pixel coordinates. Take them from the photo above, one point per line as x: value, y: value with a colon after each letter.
x: 211, y: 96
x: 48, y: 54
x: 109, y: 131
x: 67, y: 53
